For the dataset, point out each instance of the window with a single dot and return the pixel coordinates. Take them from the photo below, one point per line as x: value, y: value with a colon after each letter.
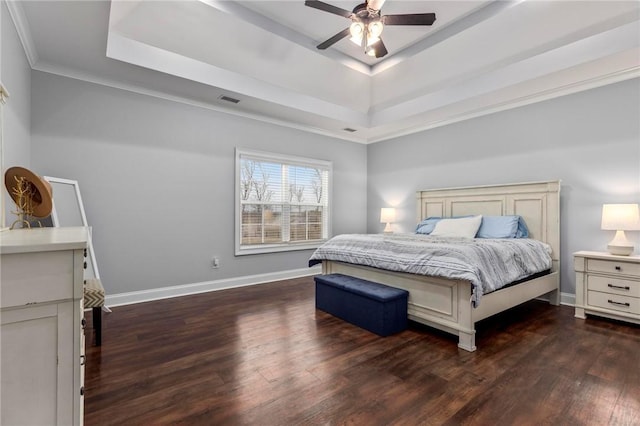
x: 282, y: 202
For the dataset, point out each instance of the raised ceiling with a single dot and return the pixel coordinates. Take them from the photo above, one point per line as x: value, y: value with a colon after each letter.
x: 478, y: 57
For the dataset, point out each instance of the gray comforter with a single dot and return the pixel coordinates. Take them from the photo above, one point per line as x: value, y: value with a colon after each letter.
x: 488, y: 264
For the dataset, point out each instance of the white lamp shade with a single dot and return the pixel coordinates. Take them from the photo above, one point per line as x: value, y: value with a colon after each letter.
x: 387, y: 215
x: 620, y: 217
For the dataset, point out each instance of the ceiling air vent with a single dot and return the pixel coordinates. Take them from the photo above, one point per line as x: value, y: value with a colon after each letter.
x: 349, y: 129
x: 229, y: 99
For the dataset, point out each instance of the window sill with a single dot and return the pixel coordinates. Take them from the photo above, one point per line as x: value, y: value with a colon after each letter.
x: 277, y: 248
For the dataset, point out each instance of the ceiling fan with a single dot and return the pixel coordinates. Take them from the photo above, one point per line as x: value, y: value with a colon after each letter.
x: 367, y: 24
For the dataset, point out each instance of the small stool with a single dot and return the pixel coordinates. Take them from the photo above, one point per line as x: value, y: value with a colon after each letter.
x: 94, y: 298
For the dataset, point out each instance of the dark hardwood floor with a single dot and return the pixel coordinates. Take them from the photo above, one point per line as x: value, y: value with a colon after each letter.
x: 263, y: 355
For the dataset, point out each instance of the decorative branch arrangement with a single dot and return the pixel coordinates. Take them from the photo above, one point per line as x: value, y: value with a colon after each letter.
x: 24, y: 192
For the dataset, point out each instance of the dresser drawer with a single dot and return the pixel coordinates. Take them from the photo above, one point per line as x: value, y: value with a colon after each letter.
x: 613, y: 267
x: 37, y: 277
x: 614, y: 302
x: 613, y: 285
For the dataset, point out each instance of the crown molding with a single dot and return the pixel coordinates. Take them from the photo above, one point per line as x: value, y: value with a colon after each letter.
x: 474, y: 18
x: 145, y: 55
x: 483, y: 13
x: 568, y: 89
x: 269, y: 25
x: 65, y: 72
x: 24, y: 32
x: 603, y: 46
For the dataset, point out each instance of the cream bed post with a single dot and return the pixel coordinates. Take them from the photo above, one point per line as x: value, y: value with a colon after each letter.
x: 467, y: 332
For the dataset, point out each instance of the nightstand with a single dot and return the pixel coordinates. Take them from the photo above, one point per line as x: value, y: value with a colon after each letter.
x: 607, y: 286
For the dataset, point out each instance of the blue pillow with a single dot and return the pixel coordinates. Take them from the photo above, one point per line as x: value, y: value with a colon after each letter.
x: 502, y: 227
x: 427, y: 225
x: 523, y: 231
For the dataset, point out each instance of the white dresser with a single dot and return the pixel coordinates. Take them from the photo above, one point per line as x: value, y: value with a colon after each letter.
x: 41, y: 326
x: 607, y: 285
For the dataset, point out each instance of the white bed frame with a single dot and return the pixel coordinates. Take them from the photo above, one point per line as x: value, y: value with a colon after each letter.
x: 446, y: 304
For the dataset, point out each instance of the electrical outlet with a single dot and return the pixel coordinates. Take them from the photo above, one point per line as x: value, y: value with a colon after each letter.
x: 215, y: 262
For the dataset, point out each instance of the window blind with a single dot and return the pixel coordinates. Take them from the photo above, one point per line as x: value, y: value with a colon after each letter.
x: 283, y: 202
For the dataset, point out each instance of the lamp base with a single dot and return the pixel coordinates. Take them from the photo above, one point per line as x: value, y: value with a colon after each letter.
x: 620, y: 250
x: 388, y: 229
x: 620, y: 246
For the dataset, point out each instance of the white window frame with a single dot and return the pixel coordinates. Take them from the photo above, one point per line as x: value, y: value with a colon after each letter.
x: 283, y: 159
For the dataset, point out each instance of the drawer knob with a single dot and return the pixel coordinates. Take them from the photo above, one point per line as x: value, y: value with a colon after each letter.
x: 619, y: 287
x: 618, y: 303
x: 618, y: 268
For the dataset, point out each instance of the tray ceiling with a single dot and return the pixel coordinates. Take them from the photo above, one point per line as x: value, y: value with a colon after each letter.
x: 478, y: 57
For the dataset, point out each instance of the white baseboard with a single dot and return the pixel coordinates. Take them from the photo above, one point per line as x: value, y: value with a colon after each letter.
x: 129, y: 298
x: 568, y: 299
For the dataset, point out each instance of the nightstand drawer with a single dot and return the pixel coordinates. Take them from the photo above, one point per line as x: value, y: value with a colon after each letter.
x: 614, y: 302
x: 613, y: 267
x: 613, y: 285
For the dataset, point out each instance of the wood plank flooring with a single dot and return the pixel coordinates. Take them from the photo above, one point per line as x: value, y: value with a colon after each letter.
x: 262, y: 355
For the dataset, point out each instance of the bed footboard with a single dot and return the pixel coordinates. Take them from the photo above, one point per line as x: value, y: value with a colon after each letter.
x: 446, y: 304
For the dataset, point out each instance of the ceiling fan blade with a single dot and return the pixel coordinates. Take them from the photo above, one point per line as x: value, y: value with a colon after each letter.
x: 410, y: 19
x: 342, y: 34
x: 379, y: 48
x: 375, y: 4
x: 328, y: 8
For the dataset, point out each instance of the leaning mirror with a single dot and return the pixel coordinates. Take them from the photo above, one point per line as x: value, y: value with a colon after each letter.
x: 68, y: 210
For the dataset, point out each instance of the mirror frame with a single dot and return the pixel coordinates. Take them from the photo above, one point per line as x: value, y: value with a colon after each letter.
x: 56, y: 221
x: 4, y: 95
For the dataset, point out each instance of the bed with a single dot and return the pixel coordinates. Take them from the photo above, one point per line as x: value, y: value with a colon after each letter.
x: 446, y: 304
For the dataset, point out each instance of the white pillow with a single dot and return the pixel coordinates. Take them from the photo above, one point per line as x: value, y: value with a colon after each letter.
x: 465, y: 227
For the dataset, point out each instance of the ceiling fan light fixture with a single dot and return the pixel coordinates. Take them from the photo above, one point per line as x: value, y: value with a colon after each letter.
x: 375, y: 29
x: 356, y: 29
x: 367, y: 24
x: 357, y: 33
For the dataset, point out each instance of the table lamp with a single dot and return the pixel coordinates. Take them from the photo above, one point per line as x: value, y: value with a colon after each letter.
x: 387, y: 215
x: 620, y: 218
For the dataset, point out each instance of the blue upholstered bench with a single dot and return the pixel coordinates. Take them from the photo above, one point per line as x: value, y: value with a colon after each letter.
x: 375, y: 307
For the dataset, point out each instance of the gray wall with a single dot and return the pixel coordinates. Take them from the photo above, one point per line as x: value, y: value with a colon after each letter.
x: 16, y: 77
x: 157, y: 180
x: 589, y: 140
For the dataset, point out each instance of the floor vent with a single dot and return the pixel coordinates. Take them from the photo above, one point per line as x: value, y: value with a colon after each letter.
x: 229, y: 99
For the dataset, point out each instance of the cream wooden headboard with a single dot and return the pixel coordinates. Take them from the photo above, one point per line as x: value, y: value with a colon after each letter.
x: 537, y: 202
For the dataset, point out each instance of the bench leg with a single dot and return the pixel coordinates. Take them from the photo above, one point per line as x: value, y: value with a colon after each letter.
x: 97, y: 324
